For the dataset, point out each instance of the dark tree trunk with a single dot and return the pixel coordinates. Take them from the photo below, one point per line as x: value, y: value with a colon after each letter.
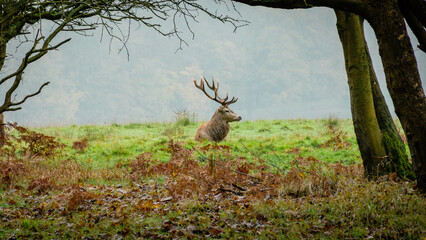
x: 402, y: 78
x: 382, y: 150
x: 2, y: 59
x: 2, y: 131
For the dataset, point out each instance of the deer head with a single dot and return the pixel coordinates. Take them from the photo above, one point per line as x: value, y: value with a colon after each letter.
x: 217, y: 128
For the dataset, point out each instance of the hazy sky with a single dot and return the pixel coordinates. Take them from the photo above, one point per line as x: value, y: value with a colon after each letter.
x: 284, y: 64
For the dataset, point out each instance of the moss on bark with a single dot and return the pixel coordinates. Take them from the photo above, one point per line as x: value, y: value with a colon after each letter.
x: 381, y: 147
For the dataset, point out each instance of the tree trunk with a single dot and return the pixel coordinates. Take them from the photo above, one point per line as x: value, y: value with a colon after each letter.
x: 2, y: 131
x: 402, y: 78
x: 382, y: 150
x: 394, y: 145
x: 369, y: 137
x: 2, y: 59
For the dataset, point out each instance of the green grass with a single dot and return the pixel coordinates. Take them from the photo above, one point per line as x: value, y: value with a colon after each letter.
x: 269, y: 140
x: 132, y: 182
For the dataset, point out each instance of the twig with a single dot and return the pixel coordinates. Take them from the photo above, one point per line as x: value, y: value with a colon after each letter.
x: 235, y: 171
x: 238, y: 187
x: 273, y: 165
x: 229, y: 190
x: 295, y: 166
x: 252, y: 152
x: 204, y: 157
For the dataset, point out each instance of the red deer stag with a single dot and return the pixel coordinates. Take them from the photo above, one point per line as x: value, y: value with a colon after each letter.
x: 217, y: 128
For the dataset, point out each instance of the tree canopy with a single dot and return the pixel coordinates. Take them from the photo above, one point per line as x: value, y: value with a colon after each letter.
x: 22, y: 18
x: 414, y: 11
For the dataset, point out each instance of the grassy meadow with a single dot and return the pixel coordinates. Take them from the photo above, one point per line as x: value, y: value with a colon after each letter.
x: 277, y: 179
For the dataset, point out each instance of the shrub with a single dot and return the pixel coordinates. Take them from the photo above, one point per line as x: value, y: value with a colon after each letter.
x: 185, y: 118
x: 30, y: 143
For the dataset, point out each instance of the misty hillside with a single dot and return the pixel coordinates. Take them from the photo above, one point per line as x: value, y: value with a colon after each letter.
x: 284, y: 64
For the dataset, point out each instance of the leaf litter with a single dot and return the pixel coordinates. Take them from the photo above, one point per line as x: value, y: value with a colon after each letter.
x: 200, y: 192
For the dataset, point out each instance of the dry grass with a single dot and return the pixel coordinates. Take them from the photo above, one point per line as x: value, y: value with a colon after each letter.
x: 200, y: 192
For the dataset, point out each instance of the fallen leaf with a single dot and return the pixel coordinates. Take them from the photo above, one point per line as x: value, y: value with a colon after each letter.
x: 166, y: 199
x: 215, y: 231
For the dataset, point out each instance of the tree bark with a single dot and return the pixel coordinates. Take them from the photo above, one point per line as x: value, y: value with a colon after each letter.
x: 382, y: 150
x: 368, y: 135
x: 2, y: 59
x: 394, y: 145
x: 2, y: 131
x: 402, y: 79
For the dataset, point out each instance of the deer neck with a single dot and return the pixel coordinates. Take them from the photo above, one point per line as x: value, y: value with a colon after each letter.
x: 218, y: 118
x: 218, y: 127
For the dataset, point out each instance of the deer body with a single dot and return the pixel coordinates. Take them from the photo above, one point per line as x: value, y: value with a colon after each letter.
x: 218, y: 126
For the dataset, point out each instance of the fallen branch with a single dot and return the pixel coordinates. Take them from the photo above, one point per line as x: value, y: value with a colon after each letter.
x: 238, y: 187
x: 229, y: 190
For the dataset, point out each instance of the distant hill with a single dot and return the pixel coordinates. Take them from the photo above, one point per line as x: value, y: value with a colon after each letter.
x: 284, y: 64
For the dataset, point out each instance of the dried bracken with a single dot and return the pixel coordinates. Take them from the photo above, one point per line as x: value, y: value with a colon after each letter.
x: 80, y: 146
x: 221, y: 177
x: 204, y: 191
x: 30, y: 144
x: 42, y: 184
x: 11, y: 170
x: 338, y: 139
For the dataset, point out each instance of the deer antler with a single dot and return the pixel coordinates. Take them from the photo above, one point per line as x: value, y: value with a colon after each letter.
x: 214, y: 87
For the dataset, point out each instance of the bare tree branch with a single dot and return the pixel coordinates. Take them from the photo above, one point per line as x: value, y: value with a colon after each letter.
x: 19, y: 18
x: 32, y: 55
x: 26, y: 97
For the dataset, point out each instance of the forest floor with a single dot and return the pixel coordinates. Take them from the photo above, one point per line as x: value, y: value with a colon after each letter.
x: 278, y: 179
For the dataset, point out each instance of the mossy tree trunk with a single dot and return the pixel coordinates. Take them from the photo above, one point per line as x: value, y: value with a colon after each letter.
x: 394, y: 145
x: 381, y: 147
x: 402, y: 79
